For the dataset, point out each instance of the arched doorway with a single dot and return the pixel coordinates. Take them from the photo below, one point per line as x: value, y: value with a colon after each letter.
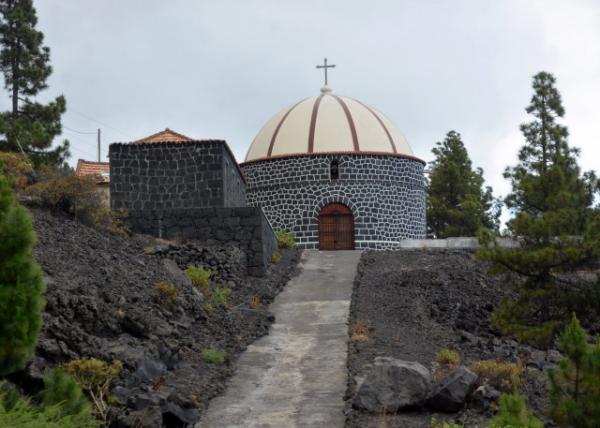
x: 336, y: 228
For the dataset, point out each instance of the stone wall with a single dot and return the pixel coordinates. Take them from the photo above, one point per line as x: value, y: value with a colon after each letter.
x: 247, y: 227
x: 385, y: 193
x: 161, y: 176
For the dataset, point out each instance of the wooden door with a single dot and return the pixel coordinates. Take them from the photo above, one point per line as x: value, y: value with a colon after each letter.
x: 336, y: 228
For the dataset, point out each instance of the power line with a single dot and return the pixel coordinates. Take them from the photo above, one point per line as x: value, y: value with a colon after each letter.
x: 80, y: 132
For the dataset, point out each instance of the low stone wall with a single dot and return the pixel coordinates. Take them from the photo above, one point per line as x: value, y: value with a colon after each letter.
x: 246, y: 227
x: 465, y: 242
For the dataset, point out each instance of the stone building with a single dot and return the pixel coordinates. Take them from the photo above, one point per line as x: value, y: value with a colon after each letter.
x: 176, y: 187
x: 338, y: 174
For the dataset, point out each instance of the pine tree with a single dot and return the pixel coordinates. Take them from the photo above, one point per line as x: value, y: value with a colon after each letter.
x: 62, y: 389
x: 575, y: 383
x: 24, y: 60
x: 554, y: 222
x: 21, y: 285
x: 457, y: 202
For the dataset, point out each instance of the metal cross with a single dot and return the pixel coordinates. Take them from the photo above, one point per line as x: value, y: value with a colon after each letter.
x: 325, y: 67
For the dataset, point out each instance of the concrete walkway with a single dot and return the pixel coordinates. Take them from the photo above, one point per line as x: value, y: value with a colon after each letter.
x: 296, y: 376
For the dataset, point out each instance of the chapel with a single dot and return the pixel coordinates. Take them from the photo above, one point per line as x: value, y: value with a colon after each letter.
x: 337, y: 174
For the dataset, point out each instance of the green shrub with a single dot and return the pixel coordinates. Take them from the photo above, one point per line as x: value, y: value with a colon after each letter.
x: 199, y: 276
x: 575, y: 383
x: 443, y: 424
x: 275, y: 257
x: 213, y: 356
x: 96, y: 378
x: 62, y: 389
x: 508, y: 320
x: 514, y: 414
x: 21, y: 286
x: 220, y: 295
x: 165, y: 291
x: 24, y: 415
x: 285, y: 240
x: 501, y: 375
x: 448, y: 357
x: 208, y: 308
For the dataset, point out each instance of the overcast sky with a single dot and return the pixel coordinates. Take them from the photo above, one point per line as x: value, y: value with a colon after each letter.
x: 221, y: 69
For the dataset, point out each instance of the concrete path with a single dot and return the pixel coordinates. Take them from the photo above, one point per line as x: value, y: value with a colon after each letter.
x: 296, y: 376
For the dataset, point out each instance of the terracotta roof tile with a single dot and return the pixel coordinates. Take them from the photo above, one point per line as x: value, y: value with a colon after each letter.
x: 166, y: 136
x: 100, y: 170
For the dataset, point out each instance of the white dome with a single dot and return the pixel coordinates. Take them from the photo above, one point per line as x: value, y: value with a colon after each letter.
x: 328, y: 123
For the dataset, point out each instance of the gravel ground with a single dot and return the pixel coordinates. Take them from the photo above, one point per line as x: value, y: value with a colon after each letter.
x: 102, y: 303
x: 417, y: 302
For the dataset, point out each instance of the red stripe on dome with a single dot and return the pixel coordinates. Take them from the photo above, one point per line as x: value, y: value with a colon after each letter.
x: 313, y: 124
x: 272, y: 143
x: 350, y: 122
x: 381, y: 123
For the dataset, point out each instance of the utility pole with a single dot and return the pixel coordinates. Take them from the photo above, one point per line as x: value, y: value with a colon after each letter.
x: 98, y: 144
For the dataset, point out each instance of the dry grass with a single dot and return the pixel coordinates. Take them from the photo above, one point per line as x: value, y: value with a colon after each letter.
x: 255, y: 301
x: 359, y: 332
x: 504, y: 376
x: 448, y: 357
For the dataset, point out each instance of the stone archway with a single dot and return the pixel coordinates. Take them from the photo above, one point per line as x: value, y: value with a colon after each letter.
x: 336, y: 228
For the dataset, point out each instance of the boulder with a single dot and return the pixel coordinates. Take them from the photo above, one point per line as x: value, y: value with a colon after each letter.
x: 393, y: 384
x: 451, y: 392
x: 484, y: 396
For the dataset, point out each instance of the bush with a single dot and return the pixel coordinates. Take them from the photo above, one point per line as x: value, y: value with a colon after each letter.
x: 220, y: 295
x: 21, y: 286
x: 575, y: 383
x: 208, y: 308
x: 508, y: 319
x: 501, y: 375
x: 24, y: 415
x: 448, y: 357
x: 165, y: 291
x: 275, y: 257
x: 285, y: 240
x: 213, y: 356
x: 17, y: 169
x: 62, y: 389
x: 199, y: 276
x: 96, y: 378
x: 255, y: 301
x: 514, y: 414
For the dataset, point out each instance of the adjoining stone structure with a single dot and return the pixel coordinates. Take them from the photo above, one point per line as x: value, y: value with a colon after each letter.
x: 331, y: 166
x: 175, y: 187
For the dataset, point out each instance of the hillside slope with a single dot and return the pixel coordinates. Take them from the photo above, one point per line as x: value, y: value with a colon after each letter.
x: 102, y: 303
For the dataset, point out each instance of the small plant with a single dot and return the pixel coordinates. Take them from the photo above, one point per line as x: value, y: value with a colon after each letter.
x: 443, y: 424
x: 254, y: 301
x: 448, y: 357
x: 199, y: 276
x: 165, y: 291
x: 501, y: 375
x: 95, y: 377
x: 359, y: 332
x: 213, y: 356
x: 285, y: 240
x: 514, y: 414
x: 220, y: 295
x: 575, y: 383
x: 62, y: 389
x: 275, y: 257
x: 208, y: 308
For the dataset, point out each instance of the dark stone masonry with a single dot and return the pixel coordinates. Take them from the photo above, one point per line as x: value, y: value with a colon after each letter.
x: 151, y: 176
x: 246, y: 227
x: 189, y: 191
x: 386, y: 195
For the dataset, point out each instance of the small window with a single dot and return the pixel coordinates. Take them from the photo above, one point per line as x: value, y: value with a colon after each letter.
x: 334, y: 170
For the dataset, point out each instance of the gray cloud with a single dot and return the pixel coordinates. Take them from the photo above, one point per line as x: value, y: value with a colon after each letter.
x: 221, y: 69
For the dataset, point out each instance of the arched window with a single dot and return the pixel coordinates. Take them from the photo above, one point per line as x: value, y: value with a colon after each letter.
x: 334, y: 170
